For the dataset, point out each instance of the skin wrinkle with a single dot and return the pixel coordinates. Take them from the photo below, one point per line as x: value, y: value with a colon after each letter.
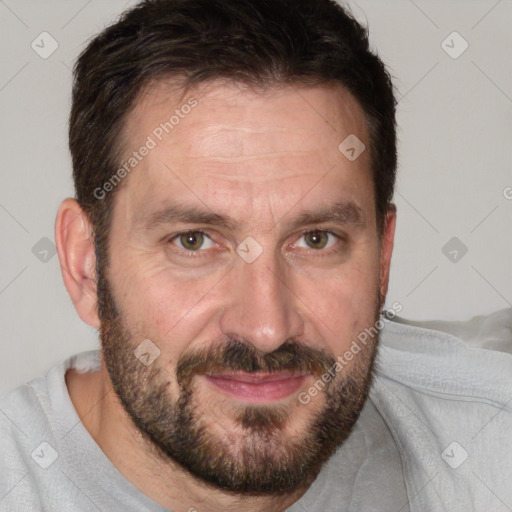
x: 248, y: 158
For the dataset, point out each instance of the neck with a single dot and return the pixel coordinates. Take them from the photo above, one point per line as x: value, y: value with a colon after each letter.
x: 162, y: 480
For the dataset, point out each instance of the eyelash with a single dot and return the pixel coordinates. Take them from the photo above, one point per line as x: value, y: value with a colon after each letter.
x: 197, y: 253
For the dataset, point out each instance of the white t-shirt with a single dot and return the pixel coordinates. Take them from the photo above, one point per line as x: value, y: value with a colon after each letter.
x: 435, y: 435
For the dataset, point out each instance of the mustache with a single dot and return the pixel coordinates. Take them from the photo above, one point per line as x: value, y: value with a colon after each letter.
x: 238, y: 355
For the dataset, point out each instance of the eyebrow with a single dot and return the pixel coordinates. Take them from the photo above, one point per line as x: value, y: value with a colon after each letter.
x: 343, y: 213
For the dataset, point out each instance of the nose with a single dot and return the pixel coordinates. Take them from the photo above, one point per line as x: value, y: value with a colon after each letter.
x: 263, y: 307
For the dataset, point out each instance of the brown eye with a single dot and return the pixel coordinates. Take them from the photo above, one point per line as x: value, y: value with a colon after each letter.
x: 316, y: 239
x: 192, y: 240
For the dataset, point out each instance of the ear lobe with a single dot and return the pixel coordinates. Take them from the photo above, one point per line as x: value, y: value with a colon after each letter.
x: 386, y: 250
x: 75, y: 247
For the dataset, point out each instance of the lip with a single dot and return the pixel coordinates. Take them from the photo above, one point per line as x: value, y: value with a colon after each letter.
x: 258, y: 388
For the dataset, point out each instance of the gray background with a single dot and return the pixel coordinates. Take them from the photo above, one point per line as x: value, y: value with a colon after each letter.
x: 455, y: 132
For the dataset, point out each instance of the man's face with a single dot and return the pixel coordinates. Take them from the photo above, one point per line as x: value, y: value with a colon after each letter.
x: 243, y: 246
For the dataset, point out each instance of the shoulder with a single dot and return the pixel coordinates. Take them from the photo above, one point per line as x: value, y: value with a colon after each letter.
x: 31, y: 432
x: 23, y: 421
x: 448, y: 405
x: 470, y: 359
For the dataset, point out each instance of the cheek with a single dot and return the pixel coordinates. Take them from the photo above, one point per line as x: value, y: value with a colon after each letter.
x: 345, y: 304
x: 159, y: 306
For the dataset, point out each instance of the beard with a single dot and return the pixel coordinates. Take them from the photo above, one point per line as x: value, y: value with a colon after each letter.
x: 256, y: 456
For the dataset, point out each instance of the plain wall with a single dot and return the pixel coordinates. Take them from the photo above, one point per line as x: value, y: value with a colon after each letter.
x: 455, y: 157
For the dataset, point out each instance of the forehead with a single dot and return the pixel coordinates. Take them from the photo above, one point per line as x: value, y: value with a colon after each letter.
x: 327, y: 110
x: 223, y: 140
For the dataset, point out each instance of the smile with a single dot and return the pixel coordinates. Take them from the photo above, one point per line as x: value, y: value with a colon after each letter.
x: 258, y: 388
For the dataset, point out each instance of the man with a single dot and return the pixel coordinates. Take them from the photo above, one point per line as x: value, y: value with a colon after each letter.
x: 231, y: 239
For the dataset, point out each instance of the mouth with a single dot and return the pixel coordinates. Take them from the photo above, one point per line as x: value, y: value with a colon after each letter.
x: 258, y: 387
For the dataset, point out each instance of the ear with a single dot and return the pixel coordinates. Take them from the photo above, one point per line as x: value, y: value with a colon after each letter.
x: 75, y: 246
x: 386, y: 250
